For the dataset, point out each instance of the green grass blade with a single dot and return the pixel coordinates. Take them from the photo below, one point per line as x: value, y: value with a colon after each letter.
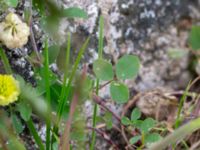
x: 100, y: 55
x: 177, y: 135
x: 74, y: 69
x: 48, y: 95
x: 5, y: 61
x: 182, y: 101
x: 35, y: 134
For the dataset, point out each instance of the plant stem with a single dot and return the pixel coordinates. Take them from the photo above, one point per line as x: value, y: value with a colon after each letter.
x: 5, y: 61
x: 64, y: 142
x: 94, y: 118
x: 35, y: 134
x: 100, y: 53
x: 64, y: 89
x: 63, y: 100
x: 100, y: 102
x: 183, y: 98
x: 65, y: 139
x: 178, y: 134
x: 48, y: 96
x: 32, y: 38
x: 105, y: 137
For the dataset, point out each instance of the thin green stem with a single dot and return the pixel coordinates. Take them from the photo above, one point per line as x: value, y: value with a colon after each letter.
x: 5, y: 61
x: 48, y: 96
x: 100, y: 55
x: 64, y: 89
x: 101, y: 37
x: 63, y: 100
x: 36, y: 137
x: 94, y: 118
x: 183, y: 98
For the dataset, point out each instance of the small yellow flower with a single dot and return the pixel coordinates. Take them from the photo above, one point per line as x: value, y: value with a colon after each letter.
x: 9, y: 89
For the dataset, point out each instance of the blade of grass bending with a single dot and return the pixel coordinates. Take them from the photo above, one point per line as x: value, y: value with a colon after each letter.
x: 48, y: 96
x: 100, y: 53
x: 5, y: 61
x: 63, y: 100
x: 177, y: 135
x: 35, y: 134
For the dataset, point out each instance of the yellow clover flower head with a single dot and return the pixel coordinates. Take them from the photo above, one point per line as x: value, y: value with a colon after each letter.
x: 13, y: 32
x: 9, y: 89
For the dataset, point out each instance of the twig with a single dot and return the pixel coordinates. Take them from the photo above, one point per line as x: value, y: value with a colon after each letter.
x: 100, y: 102
x: 102, y: 86
x: 195, y: 145
x: 104, y: 136
x: 32, y: 37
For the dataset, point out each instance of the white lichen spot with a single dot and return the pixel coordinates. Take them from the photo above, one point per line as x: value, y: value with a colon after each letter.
x: 147, y: 14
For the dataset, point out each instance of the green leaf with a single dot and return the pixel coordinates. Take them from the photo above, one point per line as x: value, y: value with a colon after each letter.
x: 15, y: 144
x: 147, y: 124
x: 127, y: 67
x: 39, y: 6
x: 74, y: 12
x: 103, y: 69
x: 136, y: 114
x: 152, y: 137
x: 119, y: 92
x: 17, y: 124
x: 12, y: 3
x: 25, y: 110
x: 55, y: 146
x: 135, y: 139
x: 125, y: 121
x: 194, y: 38
x: 137, y: 123
x: 53, y: 53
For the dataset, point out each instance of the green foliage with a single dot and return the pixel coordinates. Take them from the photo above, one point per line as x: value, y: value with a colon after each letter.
x: 12, y: 3
x: 144, y: 126
x: 39, y: 6
x: 25, y: 110
x: 108, y: 120
x: 152, y: 137
x: 103, y: 69
x: 53, y: 53
x: 5, y: 4
x: 135, y: 139
x: 125, y: 121
x: 194, y: 38
x: 136, y: 114
x: 74, y: 12
x: 127, y: 67
x: 147, y: 125
x: 17, y: 124
x: 61, y: 91
x: 119, y: 92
